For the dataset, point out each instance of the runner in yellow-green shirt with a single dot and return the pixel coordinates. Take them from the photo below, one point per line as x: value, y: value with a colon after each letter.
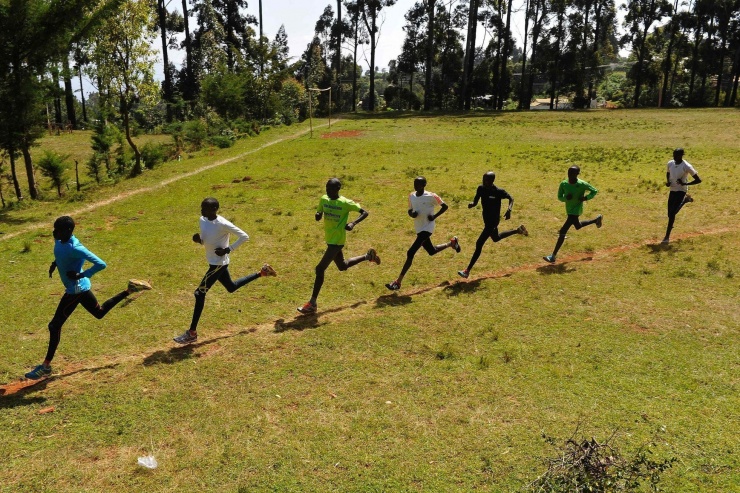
x: 573, y: 192
x: 335, y: 211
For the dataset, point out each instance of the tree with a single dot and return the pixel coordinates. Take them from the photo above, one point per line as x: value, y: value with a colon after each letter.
x: 431, y: 7
x: 370, y: 10
x: 469, y: 62
x: 124, y: 62
x: 640, y: 16
x: 36, y: 33
x: 54, y: 167
x: 358, y: 36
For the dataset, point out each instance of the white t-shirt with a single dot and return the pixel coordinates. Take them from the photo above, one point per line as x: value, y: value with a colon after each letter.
x: 424, y: 205
x: 679, y: 171
x: 215, y: 234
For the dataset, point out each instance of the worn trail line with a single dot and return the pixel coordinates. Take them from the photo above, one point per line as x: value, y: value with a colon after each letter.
x: 162, y: 184
x: 165, y: 354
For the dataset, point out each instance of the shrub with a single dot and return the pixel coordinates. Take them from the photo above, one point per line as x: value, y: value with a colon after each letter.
x: 152, y: 154
x: 54, y: 166
x: 586, y: 465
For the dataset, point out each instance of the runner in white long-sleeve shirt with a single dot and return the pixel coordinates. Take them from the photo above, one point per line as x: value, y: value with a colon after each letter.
x: 214, y: 236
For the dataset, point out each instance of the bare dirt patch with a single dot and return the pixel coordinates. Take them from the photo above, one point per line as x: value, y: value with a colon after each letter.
x: 342, y: 134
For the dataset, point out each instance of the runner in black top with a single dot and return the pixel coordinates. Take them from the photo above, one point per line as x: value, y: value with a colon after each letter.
x: 490, y: 197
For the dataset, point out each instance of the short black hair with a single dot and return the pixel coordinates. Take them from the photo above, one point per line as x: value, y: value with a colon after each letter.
x: 490, y: 175
x: 678, y: 150
x: 64, y: 223
x: 420, y: 179
x: 334, y: 183
x: 211, y: 202
x: 575, y: 168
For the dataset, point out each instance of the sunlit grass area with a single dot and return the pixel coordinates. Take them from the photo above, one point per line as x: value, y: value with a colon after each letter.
x: 445, y: 385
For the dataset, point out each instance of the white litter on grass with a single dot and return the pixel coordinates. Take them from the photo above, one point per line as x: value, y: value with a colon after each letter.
x: 149, y: 462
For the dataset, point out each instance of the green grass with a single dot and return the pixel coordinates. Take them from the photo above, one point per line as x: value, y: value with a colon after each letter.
x: 444, y: 386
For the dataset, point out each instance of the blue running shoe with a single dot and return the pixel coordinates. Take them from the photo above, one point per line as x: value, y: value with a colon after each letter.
x: 38, y: 372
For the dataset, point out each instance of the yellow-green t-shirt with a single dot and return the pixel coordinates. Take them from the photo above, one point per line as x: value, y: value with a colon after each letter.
x: 574, y: 206
x: 336, y: 213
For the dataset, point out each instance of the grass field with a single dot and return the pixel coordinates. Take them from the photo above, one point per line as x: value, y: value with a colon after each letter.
x: 446, y: 385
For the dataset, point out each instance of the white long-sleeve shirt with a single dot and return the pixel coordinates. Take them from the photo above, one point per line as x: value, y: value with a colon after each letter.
x: 215, y: 234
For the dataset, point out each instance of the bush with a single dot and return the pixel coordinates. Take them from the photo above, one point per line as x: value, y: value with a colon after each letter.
x: 54, y: 166
x: 585, y: 465
x: 195, y: 133
x: 221, y: 141
x: 152, y: 154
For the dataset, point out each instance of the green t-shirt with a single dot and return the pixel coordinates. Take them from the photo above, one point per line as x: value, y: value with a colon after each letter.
x: 336, y: 213
x: 578, y: 189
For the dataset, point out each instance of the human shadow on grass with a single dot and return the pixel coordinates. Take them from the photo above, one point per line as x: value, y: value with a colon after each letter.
x: 556, y: 269
x: 19, y: 399
x: 659, y: 247
x: 302, y: 322
x: 21, y: 388
x: 462, y: 287
x: 181, y: 353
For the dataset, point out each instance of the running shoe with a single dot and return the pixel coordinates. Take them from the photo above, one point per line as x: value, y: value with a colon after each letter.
x: 549, y: 258
x: 688, y: 199
x: 394, y: 285
x: 522, y: 230
x: 599, y: 219
x: 267, y: 270
x: 38, y: 372
x: 372, y: 256
x: 455, y: 244
x: 307, y: 309
x: 463, y: 273
x: 186, y: 338
x: 135, y: 285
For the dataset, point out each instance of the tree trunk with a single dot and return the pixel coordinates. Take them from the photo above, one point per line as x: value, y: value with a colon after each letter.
x: 32, y: 189
x: 496, y: 59
x: 554, y: 80
x: 431, y: 4
x: 82, y: 95
x: 721, y: 68
x: 354, y: 66
x: 735, y: 74
x: 522, y: 85
x: 69, y: 98
x: 504, y: 76
x: 640, y: 61
x: 14, y: 174
x: 668, y: 64
x: 469, y: 61
x: 189, y: 92
x: 127, y: 128
x: 373, y: 34
x: 162, y: 13
x: 536, y: 29
x: 57, y: 100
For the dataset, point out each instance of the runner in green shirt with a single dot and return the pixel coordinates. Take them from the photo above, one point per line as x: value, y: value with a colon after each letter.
x: 335, y: 210
x: 573, y: 192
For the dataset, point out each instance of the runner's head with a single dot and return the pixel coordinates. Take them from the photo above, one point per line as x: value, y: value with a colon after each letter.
x: 573, y: 172
x: 419, y: 184
x: 63, y: 228
x: 209, y: 208
x: 489, y: 178
x: 678, y: 154
x: 332, y: 188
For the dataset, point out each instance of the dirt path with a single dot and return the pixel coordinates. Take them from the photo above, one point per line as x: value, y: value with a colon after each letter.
x: 158, y: 186
x: 170, y: 352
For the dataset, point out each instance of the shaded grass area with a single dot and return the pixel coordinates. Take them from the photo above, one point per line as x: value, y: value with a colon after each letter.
x: 444, y: 386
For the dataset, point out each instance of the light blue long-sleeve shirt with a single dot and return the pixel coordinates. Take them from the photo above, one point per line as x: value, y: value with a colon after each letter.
x: 71, y: 256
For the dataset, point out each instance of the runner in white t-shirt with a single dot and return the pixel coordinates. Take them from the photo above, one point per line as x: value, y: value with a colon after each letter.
x: 421, y: 207
x: 214, y: 235
x: 676, y: 174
